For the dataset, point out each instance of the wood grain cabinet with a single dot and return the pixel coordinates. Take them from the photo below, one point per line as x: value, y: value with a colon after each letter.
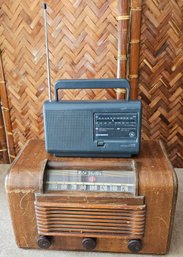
x: 92, y: 204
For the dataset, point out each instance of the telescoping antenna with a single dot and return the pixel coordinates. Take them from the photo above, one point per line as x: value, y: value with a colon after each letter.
x: 118, y: 75
x: 47, y: 50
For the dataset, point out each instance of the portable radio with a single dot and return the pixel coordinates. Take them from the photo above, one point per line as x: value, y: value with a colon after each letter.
x: 92, y: 128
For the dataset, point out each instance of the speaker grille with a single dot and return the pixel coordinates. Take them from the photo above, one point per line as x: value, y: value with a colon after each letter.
x: 66, y: 130
x: 126, y: 221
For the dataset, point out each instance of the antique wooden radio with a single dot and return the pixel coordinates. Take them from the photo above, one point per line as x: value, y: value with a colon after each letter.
x: 99, y: 204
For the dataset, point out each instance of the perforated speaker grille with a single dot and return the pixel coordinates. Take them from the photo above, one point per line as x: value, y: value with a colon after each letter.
x: 69, y: 130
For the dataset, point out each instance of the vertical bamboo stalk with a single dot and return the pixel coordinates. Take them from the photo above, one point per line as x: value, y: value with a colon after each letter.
x: 135, y: 28
x: 123, y: 20
x: 5, y: 113
x: 3, y: 144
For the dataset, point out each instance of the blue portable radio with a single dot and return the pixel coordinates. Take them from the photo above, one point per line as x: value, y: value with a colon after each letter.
x: 92, y: 128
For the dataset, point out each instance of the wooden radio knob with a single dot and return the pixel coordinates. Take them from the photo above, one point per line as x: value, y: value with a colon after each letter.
x: 89, y: 243
x: 135, y: 245
x: 44, y: 242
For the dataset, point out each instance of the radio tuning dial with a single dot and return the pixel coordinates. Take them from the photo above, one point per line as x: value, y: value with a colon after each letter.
x: 135, y: 245
x: 44, y: 242
x: 89, y: 243
x: 131, y: 134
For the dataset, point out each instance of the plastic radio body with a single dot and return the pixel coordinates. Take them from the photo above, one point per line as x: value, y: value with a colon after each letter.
x: 92, y: 128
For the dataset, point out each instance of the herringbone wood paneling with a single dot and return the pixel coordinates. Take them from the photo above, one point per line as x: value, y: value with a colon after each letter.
x: 161, y: 74
x: 83, y: 44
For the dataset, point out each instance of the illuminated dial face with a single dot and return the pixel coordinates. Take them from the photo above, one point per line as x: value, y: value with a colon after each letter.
x: 90, y: 180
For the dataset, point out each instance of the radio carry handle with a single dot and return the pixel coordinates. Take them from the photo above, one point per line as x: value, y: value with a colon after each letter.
x: 93, y: 84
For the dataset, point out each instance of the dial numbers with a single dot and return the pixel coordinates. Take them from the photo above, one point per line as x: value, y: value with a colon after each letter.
x: 90, y: 180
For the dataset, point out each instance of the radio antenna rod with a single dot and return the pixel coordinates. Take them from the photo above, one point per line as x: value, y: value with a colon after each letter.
x: 47, y: 50
x: 118, y: 75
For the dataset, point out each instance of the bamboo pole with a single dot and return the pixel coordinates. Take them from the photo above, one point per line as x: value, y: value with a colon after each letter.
x: 3, y: 145
x: 6, y: 114
x: 134, y: 48
x: 123, y: 21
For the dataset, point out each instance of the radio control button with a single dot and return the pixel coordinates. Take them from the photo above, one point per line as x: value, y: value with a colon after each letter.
x: 132, y: 134
x: 89, y: 243
x: 44, y: 242
x: 100, y: 143
x: 135, y: 245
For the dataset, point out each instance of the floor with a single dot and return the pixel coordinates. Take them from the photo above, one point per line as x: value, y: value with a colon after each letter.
x: 8, y: 246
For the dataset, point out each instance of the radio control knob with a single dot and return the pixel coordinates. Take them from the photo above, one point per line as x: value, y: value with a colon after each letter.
x: 89, y: 243
x: 135, y: 245
x: 44, y: 242
x: 131, y: 134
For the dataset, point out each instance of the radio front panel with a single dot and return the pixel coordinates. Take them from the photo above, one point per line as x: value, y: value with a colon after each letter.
x: 90, y: 199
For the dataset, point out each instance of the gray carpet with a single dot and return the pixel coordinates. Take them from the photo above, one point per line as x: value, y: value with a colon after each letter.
x: 8, y: 247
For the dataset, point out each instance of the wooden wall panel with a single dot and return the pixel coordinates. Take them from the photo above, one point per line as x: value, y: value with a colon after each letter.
x: 83, y: 44
x: 161, y: 75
